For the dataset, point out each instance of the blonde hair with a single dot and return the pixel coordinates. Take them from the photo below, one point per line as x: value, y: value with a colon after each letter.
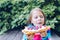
x: 30, y: 16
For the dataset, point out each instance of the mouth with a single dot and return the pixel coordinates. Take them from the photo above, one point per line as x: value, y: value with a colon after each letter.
x: 39, y: 22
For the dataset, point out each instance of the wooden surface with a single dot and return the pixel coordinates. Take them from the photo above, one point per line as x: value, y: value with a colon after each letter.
x: 12, y: 35
x: 17, y: 35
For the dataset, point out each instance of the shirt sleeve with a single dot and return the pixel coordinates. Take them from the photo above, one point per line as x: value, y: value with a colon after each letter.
x: 24, y: 37
x: 30, y: 27
x: 49, y: 33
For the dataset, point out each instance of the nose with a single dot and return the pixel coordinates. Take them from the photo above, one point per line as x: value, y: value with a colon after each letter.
x: 39, y: 18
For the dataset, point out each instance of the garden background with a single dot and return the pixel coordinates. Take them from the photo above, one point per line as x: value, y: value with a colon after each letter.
x: 14, y: 13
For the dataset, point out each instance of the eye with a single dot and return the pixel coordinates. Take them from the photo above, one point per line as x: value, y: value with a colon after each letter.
x: 36, y: 17
x: 41, y: 16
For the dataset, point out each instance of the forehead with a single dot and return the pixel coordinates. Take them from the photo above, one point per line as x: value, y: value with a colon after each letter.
x: 37, y: 13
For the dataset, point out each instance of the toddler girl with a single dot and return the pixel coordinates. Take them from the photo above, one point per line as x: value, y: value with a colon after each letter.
x: 36, y: 20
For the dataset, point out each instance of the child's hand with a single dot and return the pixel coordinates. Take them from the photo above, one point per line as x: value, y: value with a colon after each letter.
x: 43, y: 34
x: 30, y: 37
x: 43, y: 31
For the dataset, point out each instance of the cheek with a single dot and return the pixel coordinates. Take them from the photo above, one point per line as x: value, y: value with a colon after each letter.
x: 43, y: 20
x: 33, y: 21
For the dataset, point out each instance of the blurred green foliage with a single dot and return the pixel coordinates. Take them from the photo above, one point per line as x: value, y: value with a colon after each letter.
x: 14, y: 13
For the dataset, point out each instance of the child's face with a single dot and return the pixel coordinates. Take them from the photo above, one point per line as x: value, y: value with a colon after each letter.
x: 37, y: 18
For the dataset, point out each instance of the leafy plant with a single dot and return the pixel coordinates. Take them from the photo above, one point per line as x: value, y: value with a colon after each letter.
x: 14, y: 13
